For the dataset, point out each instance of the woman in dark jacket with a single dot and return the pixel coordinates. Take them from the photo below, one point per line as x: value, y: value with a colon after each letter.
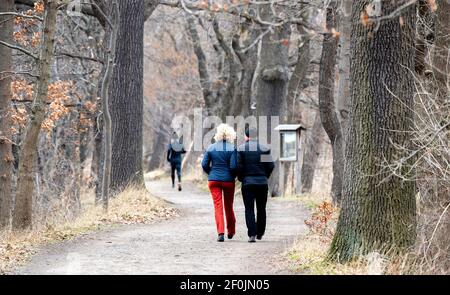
x: 219, y: 162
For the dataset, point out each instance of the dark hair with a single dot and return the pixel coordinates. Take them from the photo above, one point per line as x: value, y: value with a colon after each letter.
x: 251, y: 132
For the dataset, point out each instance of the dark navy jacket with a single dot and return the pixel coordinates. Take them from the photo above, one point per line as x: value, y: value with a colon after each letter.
x: 174, y: 152
x: 254, y: 163
x: 219, y: 162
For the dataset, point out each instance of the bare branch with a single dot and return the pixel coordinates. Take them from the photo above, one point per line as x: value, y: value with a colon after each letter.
x: 19, y: 48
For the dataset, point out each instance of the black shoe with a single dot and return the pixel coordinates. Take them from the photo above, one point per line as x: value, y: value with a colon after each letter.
x: 259, y: 237
x: 179, y: 187
x: 252, y: 239
x: 230, y: 236
x: 221, y: 238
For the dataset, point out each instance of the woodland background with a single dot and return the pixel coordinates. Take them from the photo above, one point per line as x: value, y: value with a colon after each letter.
x: 87, y: 101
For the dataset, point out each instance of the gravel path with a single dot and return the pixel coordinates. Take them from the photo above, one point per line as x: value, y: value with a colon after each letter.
x: 183, y: 245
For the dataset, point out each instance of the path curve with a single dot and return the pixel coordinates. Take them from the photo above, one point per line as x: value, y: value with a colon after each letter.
x: 184, y: 245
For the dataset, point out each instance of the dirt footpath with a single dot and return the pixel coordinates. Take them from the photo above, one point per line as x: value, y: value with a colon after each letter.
x: 183, y: 245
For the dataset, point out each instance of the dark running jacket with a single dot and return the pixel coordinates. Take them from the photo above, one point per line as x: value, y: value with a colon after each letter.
x: 174, y: 152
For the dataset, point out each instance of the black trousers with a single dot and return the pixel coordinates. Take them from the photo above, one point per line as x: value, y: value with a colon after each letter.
x: 175, y: 166
x: 258, y: 193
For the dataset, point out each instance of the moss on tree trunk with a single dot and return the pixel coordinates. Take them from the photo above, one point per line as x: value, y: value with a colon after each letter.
x: 378, y: 210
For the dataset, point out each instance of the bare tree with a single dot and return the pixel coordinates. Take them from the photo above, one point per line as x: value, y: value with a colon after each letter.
x: 327, y: 107
x: 22, y: 217
x: 6, y: 157
x: 111, y: 35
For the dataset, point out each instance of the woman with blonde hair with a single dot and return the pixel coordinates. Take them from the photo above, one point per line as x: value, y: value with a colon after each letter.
x: 219, y: 162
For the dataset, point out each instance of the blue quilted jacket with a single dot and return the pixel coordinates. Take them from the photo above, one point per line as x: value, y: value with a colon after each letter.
x: 219, y: 162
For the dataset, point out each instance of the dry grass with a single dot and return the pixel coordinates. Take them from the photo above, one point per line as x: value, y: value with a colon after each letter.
x: 308, y: 256
x: 133, y: 206
x: 310, y: 200
x: 155, y: 175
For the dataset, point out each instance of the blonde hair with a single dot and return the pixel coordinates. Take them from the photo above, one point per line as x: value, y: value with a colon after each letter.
x: 225, y: 132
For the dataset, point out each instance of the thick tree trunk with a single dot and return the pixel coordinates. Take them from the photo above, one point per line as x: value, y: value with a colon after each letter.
x: 314, y: 142
x: 328, y: 115
x: 126, y: 97
x: 6, y: 157
x: 378, y: 209
x: 271, y: 82
x: 22, y: 217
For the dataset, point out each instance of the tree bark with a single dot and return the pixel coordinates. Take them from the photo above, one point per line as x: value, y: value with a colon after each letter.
x: 378, y: 210
x: 97, y: 158
x: 162, y: 138
x: 328, y: 115
x: 296, y: 83
x: 231, y: 90
x: 205, y: 80
x: 248, y: 60
x: 291, y: 115
x: 314, y: 142
x: 126, y: 97
x: 6, y: 157
x: 343, y: 92
x: 22, y: 217
x: 271, y: 82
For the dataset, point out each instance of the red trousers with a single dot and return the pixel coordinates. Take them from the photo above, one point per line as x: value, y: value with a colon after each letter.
x: 219, y: 188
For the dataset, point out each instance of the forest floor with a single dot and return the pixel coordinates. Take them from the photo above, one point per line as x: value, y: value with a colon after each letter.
x: 182, y: 245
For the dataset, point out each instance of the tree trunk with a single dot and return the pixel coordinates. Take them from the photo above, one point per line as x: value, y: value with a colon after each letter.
x: 22, y: 217
x: 97, y: 160
x: 314, y: 142
x: 271, y: 82
x: 126, y: 97
x: 6, y: 157
x: 343, y: 92
x: 296, y: 83
x: 162, y: 138
x: 231, y: 92
x: 328, y: 115
x: 291, y: 114
x: 378, y: 209
x: 248, y: 60
x: 205, y: 80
